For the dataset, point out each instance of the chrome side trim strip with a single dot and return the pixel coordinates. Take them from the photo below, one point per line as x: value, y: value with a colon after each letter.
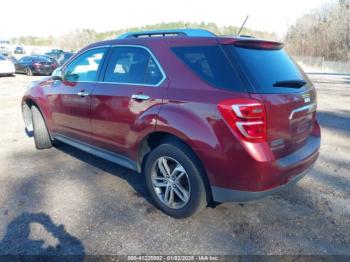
x: 310, y: 108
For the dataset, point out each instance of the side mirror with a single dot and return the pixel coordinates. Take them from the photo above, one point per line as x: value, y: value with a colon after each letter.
x: 57, y: 74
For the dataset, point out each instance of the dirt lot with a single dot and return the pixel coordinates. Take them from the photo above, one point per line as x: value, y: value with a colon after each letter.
x: 65, y: 201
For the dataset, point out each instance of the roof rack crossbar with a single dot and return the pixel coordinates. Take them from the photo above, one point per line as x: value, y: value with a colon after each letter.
x: 171, y: 32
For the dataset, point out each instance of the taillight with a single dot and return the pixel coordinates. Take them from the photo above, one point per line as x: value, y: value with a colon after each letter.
x: 246, y: 117
x: 36, y: 65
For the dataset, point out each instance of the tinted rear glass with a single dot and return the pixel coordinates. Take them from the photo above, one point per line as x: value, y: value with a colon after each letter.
x: 266, y: 67
x: 210, y: 64
x: 2, y: 57
x: 42, y: 59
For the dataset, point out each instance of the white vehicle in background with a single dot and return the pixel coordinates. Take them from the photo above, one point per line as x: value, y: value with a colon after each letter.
x: 4, y: 46
x: 6, y: 66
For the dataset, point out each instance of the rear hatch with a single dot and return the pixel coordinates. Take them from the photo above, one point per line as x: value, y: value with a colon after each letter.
x: 45, y: 63
x: 275, y: 80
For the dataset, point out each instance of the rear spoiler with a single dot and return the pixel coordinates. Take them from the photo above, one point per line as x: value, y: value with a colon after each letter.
x: 253, y: 44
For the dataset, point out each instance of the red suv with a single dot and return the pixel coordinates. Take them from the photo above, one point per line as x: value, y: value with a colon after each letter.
x: 202, y: 117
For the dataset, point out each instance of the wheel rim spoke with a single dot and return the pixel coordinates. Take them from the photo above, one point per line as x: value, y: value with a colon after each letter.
x: 181, y: 192
x: 166, y: 194
x: 163, y: 166
x: 170, y: 182
x: 178, y: 169
x: 178, y: 177
x: 171, y: 196
x: 160, y: 184
x: 160, y: 178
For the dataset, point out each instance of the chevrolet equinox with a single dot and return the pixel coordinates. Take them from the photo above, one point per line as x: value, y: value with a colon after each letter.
x: 204, y: 118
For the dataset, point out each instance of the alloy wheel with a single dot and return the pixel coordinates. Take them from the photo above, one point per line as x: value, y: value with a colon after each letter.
x: 170, y: 182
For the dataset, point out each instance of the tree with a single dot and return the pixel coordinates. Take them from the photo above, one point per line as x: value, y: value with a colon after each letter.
x: 324, y: 32
x: 79, y: 38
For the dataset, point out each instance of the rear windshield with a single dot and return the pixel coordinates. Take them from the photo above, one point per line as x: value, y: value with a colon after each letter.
x: 2, y: 57
x: 211, y: 64
x: 43, y: 59
x: 266, y: 67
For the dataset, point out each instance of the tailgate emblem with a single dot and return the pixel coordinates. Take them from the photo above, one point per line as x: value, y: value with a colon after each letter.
x: 307, y: 98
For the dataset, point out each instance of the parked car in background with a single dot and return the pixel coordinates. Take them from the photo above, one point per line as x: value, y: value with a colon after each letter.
x: 202, y: 117
x: 57, y: 51
x: 4, y: 46
x: 65, y: 56
x: 36, y: 65
x: 19, y: 50
x: 6, y: 66
x: 10, y: 58
x: 56, y: 56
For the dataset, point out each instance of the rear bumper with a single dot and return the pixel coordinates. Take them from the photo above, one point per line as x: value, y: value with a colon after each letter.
x: 243, y: 178
x: 229, y: 195
x: 42, y: 71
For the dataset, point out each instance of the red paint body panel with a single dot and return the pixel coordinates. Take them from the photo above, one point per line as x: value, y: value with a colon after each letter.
x: 70, y: 113
x: 118, y: 122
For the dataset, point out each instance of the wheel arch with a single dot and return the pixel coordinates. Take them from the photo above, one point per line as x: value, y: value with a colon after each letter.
x: 156, y: 138
x: 27, y: 104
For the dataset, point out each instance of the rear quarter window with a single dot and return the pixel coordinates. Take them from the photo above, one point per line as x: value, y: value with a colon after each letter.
x: 211, y: 65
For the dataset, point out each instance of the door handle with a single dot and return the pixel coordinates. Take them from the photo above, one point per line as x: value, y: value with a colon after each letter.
x: 82, y: 93
x: 140, y: 97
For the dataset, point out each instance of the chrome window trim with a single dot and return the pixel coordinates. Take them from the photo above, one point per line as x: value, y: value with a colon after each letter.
x: 309, y: 108
x: 164, y: 76
x: 140, y: 84
x: 87, y: 50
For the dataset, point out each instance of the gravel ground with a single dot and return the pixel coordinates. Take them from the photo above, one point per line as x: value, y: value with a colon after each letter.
x: 64, y: 201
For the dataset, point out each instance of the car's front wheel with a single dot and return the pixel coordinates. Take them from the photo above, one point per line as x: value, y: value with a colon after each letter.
x: 41, y: 134
x: 174, y: 180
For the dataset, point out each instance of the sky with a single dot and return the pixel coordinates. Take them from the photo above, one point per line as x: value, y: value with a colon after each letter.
x: 47, y: 17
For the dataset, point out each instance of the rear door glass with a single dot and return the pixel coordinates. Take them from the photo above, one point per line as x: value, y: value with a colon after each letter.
x: 211, y: 64
x: 267, y: 67
x: 132, y: 65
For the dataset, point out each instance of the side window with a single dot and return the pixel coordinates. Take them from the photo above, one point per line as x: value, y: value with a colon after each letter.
x: 85, y: 67
x: 211, y: 65
x: 24, y: 60
x: 132, y: 65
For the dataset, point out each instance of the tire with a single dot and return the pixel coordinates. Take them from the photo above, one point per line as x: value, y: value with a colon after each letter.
x: 29, y: 72
x: 176, y: 154
x: 41, y: 135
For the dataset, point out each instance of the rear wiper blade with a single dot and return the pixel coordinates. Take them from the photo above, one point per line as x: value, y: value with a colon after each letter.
x: 290, y: 83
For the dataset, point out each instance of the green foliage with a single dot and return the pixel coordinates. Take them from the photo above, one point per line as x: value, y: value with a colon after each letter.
x: 79, y: 38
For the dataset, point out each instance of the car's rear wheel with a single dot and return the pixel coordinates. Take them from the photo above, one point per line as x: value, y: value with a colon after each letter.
x: 41, y: 134
x: 174, y: 180
x: 29, y: 72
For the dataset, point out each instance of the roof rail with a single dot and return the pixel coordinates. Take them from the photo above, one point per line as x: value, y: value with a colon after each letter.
x: 247, y: 36
x: 170, y: 32
x: 242, y: 36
